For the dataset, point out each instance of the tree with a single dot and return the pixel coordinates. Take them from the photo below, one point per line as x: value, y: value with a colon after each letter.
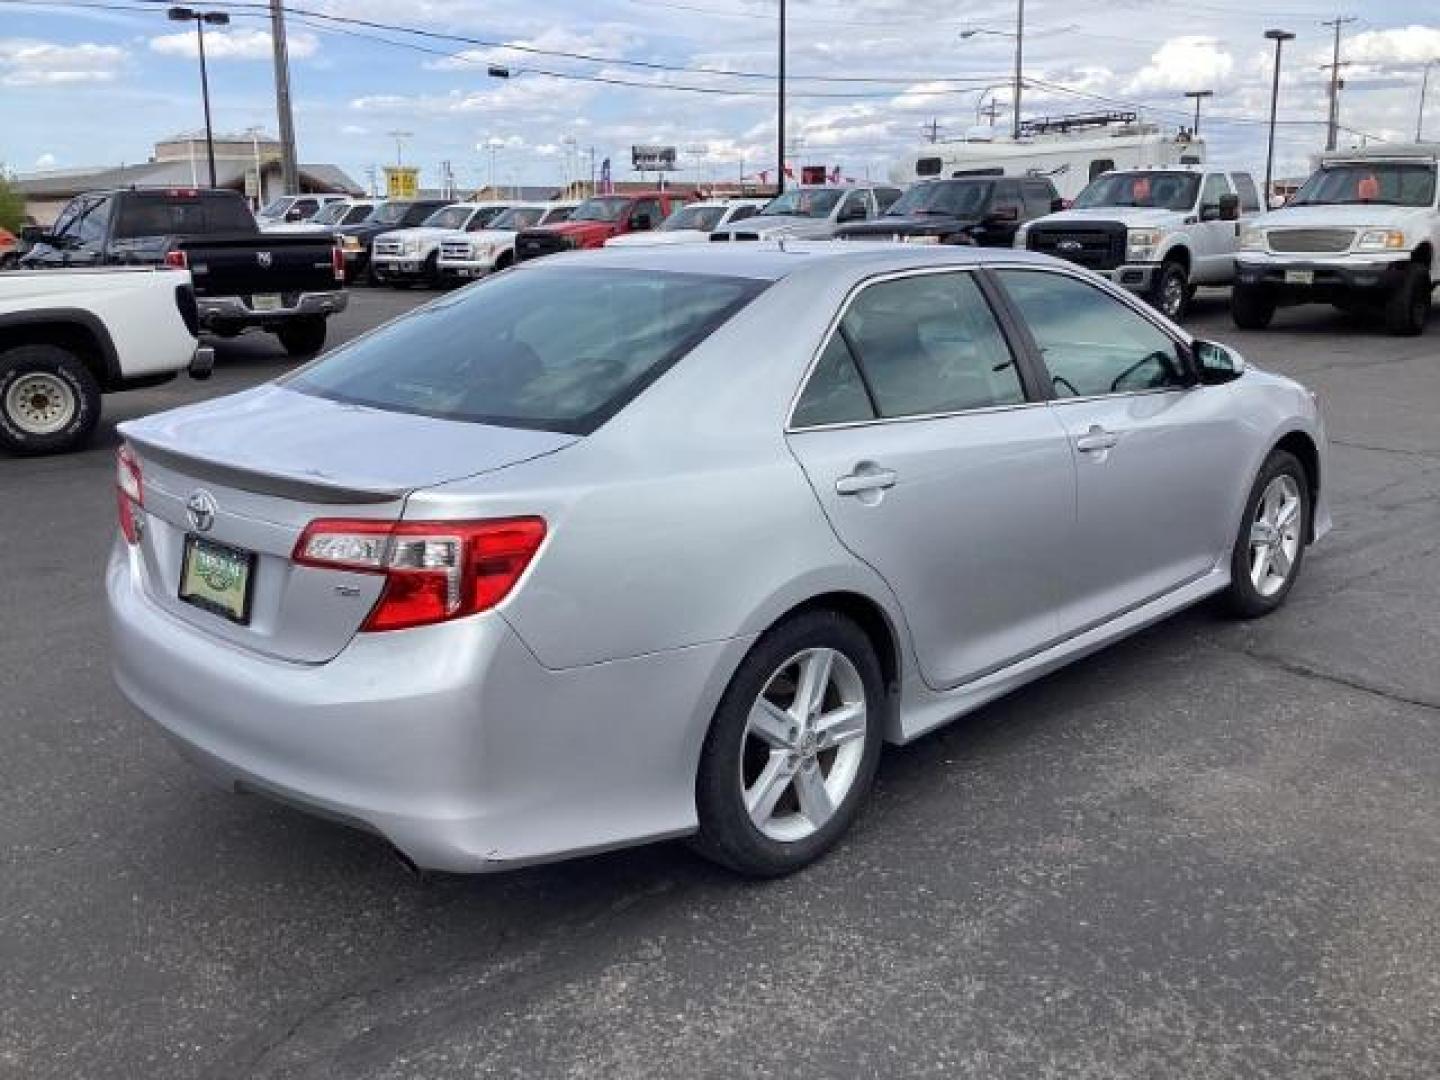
x: 12, y: 206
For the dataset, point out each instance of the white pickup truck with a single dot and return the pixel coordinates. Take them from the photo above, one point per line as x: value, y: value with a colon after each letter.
x: 1158, y: 232
x: 69, y: 336
x: 1362, y: 234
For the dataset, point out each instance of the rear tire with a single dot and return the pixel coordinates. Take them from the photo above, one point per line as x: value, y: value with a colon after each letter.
x: 1170, y: 295
x: 783, y: 772
x: 1272, y: 534
x: 304, y: 336
x: 49, y: 400
x: 1408, y: 307
x: 1252, y: 309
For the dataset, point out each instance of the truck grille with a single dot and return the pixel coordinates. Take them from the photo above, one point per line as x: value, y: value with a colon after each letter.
x: 389, y: 247
x: 1317, y: 241
x: 455, y: 249
x: 1100, y: 246
x: 533, y: 245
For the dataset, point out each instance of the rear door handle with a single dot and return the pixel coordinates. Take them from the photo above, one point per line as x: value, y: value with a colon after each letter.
x: 1095, y: 440
x: 863, y: 480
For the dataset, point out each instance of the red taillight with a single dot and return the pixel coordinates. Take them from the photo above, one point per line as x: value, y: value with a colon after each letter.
x: 434, y: 570
x: 337, y: 262
x: 177, y: 260
x: 129, y: 493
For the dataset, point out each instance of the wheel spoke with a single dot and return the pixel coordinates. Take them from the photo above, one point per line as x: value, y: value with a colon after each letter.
x: 771, y: 723
x: 1260, y: 566
x: 810, y: 688
x: 815, y: 802
x: 1279, y: 560
x: 841, y: 725
x: 769, y: 786
x: 1289, y: 511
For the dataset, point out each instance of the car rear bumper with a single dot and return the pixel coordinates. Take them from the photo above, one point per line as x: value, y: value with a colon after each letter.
x: 452, y: 742
x: 1286, y: 274
x: 235, y: 310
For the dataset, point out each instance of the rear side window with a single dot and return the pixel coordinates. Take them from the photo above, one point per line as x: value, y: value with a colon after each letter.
x: 928, y: 166
x: 1100, y: 166
x: 1039, y: 195
x: 554, y: 349
x: 924, y: 344
x: 162, y: 215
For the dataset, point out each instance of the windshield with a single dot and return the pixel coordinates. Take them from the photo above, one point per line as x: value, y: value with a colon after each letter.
x: 1156, y: 190
x: 516, y: 218
x: 804, y: 202
x: 452, y: 217
x: 276, y: 208
x: 605, y: 208
x: 963, y: 198
x: 331, y: 213
x: 559, y: 349
x: 1388, y: 184
x: 703, y: 218
x: 389, y: 213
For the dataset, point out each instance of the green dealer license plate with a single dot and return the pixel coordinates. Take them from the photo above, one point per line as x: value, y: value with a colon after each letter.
x: 217, y: 578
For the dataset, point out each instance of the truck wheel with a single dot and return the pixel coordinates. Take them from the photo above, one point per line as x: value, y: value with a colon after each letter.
x: 1408, y: 307
x: 1252, y: 309
x: 1170, y: 293
x: 303, y: 337
x: 49, y: 401
x: 503, y: 262
x: 432, y: 271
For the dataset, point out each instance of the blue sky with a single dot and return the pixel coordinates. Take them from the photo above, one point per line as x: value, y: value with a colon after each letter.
x: 88, y: 85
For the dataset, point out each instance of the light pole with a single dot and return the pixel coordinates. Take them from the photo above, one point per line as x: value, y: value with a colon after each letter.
x: 200, y: 18
x: 1424, y: 90
x: 780, y: 110
x: 1279, y: 37
x: 1019, y: 36
x: 1199, y: 96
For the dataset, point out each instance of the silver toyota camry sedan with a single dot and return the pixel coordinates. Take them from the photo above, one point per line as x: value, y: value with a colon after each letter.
x: 656, y: 542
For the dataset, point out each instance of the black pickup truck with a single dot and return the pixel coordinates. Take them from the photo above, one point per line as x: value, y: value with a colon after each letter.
x: 985, y: 211
x: 287, y: 284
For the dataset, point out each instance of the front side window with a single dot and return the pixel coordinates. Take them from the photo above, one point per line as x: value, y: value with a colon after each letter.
x: 557, y: 349
x: 276, y: 208
x: 484, y: 218
x: 1038, y: 198
x: 646, y: 210
x: 743, y: 211
x: 331, y: 213
x: 516, y: 218
x: 65, y: 220
x: 389, y: 214
x: 557, y: 214
x: 90, y: 225
x: 1092, y: 343
x: 927, y: 344
x: 451, y: 217
x: 418, y: 214
x: 804, y: 202
x: 602, y: 208
x: 357, y: 214
x: 1215, y: 186
x: 703, y: 218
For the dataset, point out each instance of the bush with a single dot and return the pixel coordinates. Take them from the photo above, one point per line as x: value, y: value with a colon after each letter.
x: 12, y: 207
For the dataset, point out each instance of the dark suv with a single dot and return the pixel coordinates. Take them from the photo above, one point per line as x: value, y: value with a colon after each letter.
x: 981, y: 210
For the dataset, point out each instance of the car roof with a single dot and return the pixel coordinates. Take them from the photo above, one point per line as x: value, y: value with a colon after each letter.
x: 772, y: 260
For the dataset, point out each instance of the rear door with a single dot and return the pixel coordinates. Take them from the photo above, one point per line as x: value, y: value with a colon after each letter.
x: 1157, y: 459
x: 936, y: 468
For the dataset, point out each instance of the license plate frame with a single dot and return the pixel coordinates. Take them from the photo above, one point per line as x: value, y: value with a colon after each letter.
x: 267, y: 302
x: 1299, y: 277
x: 229, y: 600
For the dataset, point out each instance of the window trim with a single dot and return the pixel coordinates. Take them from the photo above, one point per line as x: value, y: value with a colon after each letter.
x: 1184, y: 347
x: 1030, y: 385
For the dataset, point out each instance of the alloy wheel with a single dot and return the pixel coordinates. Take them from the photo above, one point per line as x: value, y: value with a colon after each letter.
x: 1275, y: 535
x: 40, y: 403
x: 1172, y: 296
x: 803, y: 745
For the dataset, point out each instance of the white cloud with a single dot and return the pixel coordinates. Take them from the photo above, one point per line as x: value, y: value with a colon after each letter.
x: 1407, y: 45
x: 1184, y: 63
x: 240, y: 44
x: 27, y: 62
x: 353, y: 129
x: 45, y: 161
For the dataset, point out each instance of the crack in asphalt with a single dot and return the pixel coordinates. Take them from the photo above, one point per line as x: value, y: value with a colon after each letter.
x: 1296, y: 667
x: 1425, y: 455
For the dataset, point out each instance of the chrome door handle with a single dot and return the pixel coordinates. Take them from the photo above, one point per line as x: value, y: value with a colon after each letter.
x: 867, y: 480
x: 1096, y: 439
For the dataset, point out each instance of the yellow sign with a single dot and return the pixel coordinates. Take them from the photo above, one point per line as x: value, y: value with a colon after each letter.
x: 402, y: 181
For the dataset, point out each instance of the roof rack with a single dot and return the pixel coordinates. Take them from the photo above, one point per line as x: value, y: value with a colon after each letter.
x: 1042, y: 125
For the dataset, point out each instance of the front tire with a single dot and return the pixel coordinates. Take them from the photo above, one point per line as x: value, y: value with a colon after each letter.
x: 1170, y: 294
x: 1252, y: 309
x: 1271, y: 543
x: 793, y: 747
x: 303, y: 337
x: 49, y: 400
x: 1408, y: 307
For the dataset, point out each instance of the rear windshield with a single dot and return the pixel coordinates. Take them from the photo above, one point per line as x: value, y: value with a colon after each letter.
x: 169, y: 215
x: 555, y: 349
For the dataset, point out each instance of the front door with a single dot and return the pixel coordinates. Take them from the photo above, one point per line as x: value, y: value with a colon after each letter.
x: 1157, y: 458
x: 1214, y: 239
x: 934, y: 467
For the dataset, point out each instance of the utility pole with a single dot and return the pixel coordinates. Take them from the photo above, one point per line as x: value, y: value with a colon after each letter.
x: 400, y: 137
x: 1019, y: 64
x: 1199, y: 96
x: 1424, y: 89
x: 289, y: 169
x: 780, y: 110
x: 931, y: 131
x: 1333, y: 131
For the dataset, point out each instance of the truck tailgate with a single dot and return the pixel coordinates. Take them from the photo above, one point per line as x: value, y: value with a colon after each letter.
x: 260, y: 264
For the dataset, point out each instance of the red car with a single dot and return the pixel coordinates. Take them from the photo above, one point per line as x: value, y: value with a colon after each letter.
x: 596, y: 220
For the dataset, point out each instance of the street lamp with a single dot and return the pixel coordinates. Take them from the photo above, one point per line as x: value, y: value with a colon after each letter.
x: 1199, y: 96
x: 200, y: 18
x: 1279, y: 37
x: 1424, y: 90
x: 1019, y: 36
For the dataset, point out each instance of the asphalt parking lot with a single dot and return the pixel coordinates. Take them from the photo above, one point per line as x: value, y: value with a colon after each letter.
x: 1211, y: 851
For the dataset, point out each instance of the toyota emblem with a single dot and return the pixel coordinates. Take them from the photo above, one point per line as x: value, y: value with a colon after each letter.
x: 264, y: 258
x: 1069, y: 246
x: 200, y: 509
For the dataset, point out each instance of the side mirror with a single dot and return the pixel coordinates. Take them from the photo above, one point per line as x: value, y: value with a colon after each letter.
x: 1057, y: 204
x: 1215, y: 363
x: 641, y: 222
x: 1229, y: 207
x: 293, y: 215
x: 1005, y: 213
x: 33, y: 234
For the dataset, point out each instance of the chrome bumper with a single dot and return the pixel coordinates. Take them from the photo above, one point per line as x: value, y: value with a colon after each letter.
x: 234, y: 309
